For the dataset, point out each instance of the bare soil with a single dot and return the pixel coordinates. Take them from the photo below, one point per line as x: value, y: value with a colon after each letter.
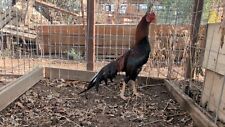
x: 56, y: 103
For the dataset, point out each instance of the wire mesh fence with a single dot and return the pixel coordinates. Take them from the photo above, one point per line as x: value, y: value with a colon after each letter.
x: 53, y: 33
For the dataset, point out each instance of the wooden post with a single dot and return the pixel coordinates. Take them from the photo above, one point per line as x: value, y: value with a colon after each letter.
x: 170, y: 62
x: 28, y: 12
x: 90, y: 53
x: 82, y: 14
x: 116, y: 13
x: 196, y: 21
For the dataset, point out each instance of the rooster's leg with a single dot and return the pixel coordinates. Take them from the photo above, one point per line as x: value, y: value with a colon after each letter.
x: 135, y: 92
x: 123, y: 91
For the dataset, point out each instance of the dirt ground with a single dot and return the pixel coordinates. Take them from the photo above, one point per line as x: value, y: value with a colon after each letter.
x: 56, y: 103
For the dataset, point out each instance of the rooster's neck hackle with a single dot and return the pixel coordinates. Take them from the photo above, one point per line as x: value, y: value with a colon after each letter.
x: 142, y: 30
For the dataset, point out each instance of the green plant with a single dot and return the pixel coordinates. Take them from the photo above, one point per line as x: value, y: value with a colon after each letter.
x: 73, y: 54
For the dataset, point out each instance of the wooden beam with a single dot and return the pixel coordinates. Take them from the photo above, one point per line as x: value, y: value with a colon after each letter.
x: 29, y: 11
x: 6, y: 18
x: 90, y: 34
x: 16, y: 88
x: 82, y: 13
x: 199, y: 118
x: 24, y: 32
x: 10, y: 75
x: 53, y: 6
x: 68, y: 74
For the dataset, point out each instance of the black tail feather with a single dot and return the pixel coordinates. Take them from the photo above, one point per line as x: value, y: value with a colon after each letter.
x: 107, y: 72
x: 92, y: 83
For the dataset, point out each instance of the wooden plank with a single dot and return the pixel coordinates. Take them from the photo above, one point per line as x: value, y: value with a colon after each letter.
x: 24, y: 29
x: 108, y: 29
x: 214, y: 53
x: 68, y: 74
x: 102, y: 29
x: 62, y: 29
x: 28, y: 12
x: 116, y: 29
x: 57, y: 73
x: 199, y: 118
x: 101, y: 40
x: 213, y: 88
x: 113, y: 35
x: 7, y: 17
x: 29, y: 36
x: 53, y: 6
x: 10, y: 75
x: 5, y: 21
x: 106, y: 50
x: 16, y: 88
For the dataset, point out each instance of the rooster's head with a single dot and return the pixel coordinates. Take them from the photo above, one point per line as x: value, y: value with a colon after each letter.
x: 150, y: 16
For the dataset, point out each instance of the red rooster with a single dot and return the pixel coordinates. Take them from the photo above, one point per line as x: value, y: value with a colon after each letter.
x: 131, y: 62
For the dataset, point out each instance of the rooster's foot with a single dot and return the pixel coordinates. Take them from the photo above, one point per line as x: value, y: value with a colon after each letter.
x: 135, y: 91
x: 122, y: 91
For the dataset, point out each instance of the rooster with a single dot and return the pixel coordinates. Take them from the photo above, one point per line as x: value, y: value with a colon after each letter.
x: 130, y: 62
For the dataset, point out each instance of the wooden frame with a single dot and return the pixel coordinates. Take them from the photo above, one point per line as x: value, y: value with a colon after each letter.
x: 13, y: 90
x: 57, y: 73
x: 6, y: 18
x: 16, y: 88
x: 199, y: 118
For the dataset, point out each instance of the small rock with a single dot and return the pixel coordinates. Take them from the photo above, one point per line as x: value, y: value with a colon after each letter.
x: 62, y: 80
x: 51, y: 84
x: 20, y: 105
x: 170, y: 120
x: 137, y: 120
x: 50, y: 96
x: 61, y: 85
x: 1, y: 119
x: 112, y: 115
x: 54, y: 121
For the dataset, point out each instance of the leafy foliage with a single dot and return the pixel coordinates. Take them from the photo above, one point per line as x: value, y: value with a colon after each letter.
x: 73, y: 54
x: 212, y: 12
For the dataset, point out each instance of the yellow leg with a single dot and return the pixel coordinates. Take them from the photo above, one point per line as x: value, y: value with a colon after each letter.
x: 135, y: 92
x: 123, y: 91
